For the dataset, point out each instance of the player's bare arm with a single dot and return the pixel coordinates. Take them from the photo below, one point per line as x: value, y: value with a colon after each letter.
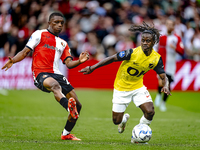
x: 106, y: 61
x: 165, y: 84
x: 83, y: 57
x: 20, y: 56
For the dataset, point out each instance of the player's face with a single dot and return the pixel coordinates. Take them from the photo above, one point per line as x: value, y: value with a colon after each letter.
x: 56, y: 24
x: 147, y: 43
x: 170, y: 25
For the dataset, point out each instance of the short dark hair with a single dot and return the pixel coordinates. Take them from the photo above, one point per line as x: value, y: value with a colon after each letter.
x: 145, y: 28
x: 55, y: 14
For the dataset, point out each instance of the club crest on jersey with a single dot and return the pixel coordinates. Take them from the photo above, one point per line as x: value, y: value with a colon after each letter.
x: 150, y: 65
x: 44, y: 76
x: 62, y: 44
x: 122, y: 54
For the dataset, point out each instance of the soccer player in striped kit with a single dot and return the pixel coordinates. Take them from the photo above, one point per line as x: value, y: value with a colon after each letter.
x: 47, y: 50
x: 170, y: 44
x: 128, y: 85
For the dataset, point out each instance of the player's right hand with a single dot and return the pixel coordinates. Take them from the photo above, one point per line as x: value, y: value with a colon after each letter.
x: 8, y: 64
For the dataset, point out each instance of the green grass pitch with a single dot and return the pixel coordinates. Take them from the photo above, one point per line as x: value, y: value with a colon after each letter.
x: 31, y: 119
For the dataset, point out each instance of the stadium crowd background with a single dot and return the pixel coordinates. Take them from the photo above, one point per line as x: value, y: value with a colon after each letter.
x: 101, y: 27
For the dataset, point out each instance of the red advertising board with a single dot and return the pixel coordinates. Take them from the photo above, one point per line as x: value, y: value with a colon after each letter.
x: 187, y: 76
x: 19, y: 76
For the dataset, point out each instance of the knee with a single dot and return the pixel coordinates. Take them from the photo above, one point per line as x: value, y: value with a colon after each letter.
x: 55, y: 86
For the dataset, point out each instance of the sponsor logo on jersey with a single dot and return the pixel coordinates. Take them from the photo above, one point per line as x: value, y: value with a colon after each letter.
x: 137, y: 64
x: 122, y: 54
x: 150, y: 65
x: 47, y: 36
x: 52, y: 47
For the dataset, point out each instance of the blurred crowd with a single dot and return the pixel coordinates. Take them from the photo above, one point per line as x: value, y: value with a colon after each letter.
x: 98, y: 26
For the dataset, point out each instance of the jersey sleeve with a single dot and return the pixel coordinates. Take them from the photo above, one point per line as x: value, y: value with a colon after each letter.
x: 66, y: 54
x: 34, y: 40
x: 125, y: 55
x: 179, y: 46
x: 159, y: 68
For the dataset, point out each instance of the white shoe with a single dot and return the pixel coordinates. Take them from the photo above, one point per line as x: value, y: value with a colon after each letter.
x: 3, y: 92
x: 163, y: 106
x: 122, y: 126
x: 157, y: 100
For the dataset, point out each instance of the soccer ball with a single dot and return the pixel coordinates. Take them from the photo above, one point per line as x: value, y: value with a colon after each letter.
x: 141, y: 133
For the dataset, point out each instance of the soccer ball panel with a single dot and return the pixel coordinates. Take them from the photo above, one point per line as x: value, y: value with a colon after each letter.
x: 141, y: 133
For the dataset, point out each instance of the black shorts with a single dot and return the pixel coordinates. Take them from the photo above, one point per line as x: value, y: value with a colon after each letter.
x: 66, y: 86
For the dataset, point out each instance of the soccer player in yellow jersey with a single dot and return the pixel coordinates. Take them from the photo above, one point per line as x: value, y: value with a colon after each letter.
x: 128, y: 85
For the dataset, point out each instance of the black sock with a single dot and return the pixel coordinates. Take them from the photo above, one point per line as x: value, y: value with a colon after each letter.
x: 69, y: 125
x: 159, y: 89
x: 165, y: 97
x: 64, y: 102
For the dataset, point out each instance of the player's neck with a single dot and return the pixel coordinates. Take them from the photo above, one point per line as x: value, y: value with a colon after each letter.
x: 49, y: 29
x: 169, y: 32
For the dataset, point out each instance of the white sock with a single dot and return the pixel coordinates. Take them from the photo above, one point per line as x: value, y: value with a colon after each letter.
x: 145, y: 121
x: 65, y: 132
x: 124, y: 120
x: 158, y: 95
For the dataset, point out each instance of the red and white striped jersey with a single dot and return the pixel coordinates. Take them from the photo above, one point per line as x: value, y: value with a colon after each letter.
x: 168, y: 53
x: 47, y: 50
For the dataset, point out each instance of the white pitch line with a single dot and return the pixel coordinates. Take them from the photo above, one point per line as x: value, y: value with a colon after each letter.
x: 94, y: 118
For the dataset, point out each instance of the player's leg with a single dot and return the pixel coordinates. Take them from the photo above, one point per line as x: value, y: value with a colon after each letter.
x: 148, y: 113
x: 52, y: 85
x: 120, y: 103
x: 158, y: 96
x: 143, y: 100
x: 49, y: 82
x: 74, y: 107
x: 71, y: 121
x: 119, y: 118
x: 165, y: 96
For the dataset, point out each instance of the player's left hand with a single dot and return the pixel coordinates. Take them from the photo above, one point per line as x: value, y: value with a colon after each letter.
x: 166, y: 90
x: 86, y: 70
x: 84, y: 56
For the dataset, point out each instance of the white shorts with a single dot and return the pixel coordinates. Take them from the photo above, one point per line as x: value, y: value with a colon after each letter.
x: 121, y: 99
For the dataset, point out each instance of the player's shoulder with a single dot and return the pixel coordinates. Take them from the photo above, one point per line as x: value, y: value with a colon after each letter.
x: 177, y: 36
x: 136, y: 49
x: 163, y: 36
x: 63, y: 42
x: 156, y: 54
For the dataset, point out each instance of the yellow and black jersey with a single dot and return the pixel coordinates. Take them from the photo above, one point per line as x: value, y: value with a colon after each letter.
x: 135, y: 64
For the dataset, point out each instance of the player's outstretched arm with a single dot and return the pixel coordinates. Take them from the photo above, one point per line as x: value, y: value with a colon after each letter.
x: 83, y: 57
x: 106, y: 61
x: 165, y: 83
x: 20, y: 56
